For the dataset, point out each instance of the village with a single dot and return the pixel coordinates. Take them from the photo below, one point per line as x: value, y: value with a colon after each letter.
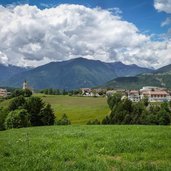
x: 154, y: 94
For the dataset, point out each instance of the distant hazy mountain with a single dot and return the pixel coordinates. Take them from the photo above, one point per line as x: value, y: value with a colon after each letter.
x: 160, y: 77
x: 8, y: 71
x: 75, y: 73
x: 123, y: 70
x: 166, y: 70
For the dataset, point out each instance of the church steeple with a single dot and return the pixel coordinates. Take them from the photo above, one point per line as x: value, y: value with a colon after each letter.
x: 25, y: 85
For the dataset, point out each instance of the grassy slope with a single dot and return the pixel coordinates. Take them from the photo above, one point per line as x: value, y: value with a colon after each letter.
x: 87, y: 148
x: 79, y: 109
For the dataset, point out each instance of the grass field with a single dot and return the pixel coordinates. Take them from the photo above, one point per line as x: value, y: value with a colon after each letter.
x: 90, y: 148
x: 79, y: 109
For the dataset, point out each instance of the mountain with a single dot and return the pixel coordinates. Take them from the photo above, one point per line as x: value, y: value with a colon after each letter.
x: 166, y: 70
x: 74, y: 73
x: 8, y: 71
x: 160, y: 77
x: 122, y: 70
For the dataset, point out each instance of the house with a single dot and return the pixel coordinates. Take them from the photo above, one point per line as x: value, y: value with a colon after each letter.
x: 3, y: 92
x: 156, y: 95
x: 86, y: 91
x: 151, y: 88
x: 90, y: 92
x: 134, y: 95
x: 112, y: 92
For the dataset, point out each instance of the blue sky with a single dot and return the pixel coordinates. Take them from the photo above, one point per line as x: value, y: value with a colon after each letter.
x: 35, y: 32
x: 140, y: 12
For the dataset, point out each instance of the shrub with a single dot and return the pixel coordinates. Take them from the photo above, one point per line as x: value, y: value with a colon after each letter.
x: 20, y: 92
x: 27, y: 93
x: 17, y: 119
x: 16, y: 103
x: 93, y: 122
x: 47, y: 115
x: 63, y: 121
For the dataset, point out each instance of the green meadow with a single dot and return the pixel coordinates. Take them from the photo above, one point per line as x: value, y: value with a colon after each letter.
x: 86, y: 148
x: 78, y: 109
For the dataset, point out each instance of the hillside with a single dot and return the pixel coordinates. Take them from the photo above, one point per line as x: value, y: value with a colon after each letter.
x: 165, y: 69
x: 83, y: 148
x: 8, y: 71
x: 160, y: 78
x: 75, y: 73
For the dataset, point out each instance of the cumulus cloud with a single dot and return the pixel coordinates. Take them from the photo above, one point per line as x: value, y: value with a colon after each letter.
x: 31, y: 36
x: 163, y: 5
x: 3, y: 59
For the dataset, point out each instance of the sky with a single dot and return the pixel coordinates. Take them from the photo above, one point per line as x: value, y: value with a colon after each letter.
x: 35, y: 32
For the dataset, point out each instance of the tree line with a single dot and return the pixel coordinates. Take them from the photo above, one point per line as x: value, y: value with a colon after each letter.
x: 51, y: 91
x: 124, y: 111
x: 25, y: 111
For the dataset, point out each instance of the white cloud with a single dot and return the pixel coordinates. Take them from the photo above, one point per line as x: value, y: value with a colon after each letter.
x: 3, y: 59
x: 166, y: 22
x: 31, y: 36
x: 163, y: 5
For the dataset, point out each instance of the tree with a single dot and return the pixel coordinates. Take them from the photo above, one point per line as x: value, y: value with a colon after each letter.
x: 145, y: 101
x: 164, y: 117
x: 64, y: 120
x: 106, y: 120
x: 17, y: 119
x: 114, y: 100
x: 34, y: 105
x: 17, y: 92
x: 20, y: 92
x: 27, y: 93
x: 47, y: 115
x: 16, y: 103
x: 3, y: 115
x: 127, y: 105
x: 138, y: 109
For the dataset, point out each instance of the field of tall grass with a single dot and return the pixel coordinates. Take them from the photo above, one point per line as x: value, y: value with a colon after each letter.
x: 89, y: 148
x: 79, y: 109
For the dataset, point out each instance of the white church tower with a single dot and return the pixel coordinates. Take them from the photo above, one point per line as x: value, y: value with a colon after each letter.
x: 25, y: 85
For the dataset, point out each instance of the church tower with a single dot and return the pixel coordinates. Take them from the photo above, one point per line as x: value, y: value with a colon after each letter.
x: 25, y: 85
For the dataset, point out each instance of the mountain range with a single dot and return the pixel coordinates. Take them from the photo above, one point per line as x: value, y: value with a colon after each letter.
x: 71, y: 74
x: 7, y: 71
x: 160, y: 77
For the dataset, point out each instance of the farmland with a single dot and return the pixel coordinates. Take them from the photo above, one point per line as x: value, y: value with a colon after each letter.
x: 79, y: 109
x: 100, y: 148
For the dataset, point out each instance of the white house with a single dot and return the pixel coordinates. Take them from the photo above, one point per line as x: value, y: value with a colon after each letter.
x: 134, y: 95
x: 3, y: 92
x: 154, y: 94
